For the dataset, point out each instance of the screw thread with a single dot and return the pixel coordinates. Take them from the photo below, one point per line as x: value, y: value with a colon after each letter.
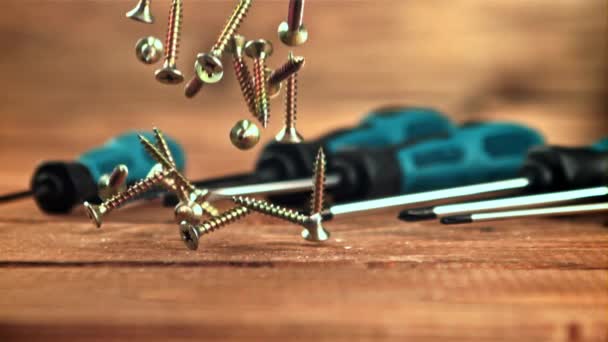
x: 295, y: 14
x: 162, y: 145
x: 271, y: 209
x: 291, y: 101
x: 227, y: 217
x: 134, y: 190
x: 173, y: 32
x: 261, y: 92
x: 158, y: 156
x: 244, y: 78
x: 210, y: 209
x: 318, y: 190
x: 193, y: 87
x: 292, y: 66
x: 233, y: 23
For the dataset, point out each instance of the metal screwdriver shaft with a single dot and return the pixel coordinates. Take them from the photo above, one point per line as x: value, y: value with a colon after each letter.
x: 540, y: 212
x: 418, y: 214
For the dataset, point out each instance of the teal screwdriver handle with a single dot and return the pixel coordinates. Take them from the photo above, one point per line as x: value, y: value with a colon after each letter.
x: 126, y: 149
x: 475, y: 154
x: 58, y: 186
x: 391, y: 126
x: 601, y: 145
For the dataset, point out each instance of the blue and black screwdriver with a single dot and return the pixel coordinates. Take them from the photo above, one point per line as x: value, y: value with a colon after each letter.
x: 471, y: 154
x: 356, y: 159
x: 57, y: 186
x: 583, y: 171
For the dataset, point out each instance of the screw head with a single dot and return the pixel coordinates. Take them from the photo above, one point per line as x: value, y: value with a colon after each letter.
x: 288, y: 135
x: 292, y: 37
x: 236, y: 45
x: 149, y: 50
x: 209, y: 68
x: 94, y: 212
x: 169, y: 75
x: 259, y: 48
x: 141, y: 12
x: 189, y: 235
x: 244, y: 135
x: 313, y: 229
x: 190, y: 212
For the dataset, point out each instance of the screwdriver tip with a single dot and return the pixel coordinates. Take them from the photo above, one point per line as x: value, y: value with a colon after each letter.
x: 457, y: 219
x: 419, y: 214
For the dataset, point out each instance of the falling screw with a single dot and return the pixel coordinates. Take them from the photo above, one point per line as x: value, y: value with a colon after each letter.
x: 313, y: 229
x: 318, y: 189
x: 193, y: 87
x: 293, y: 65
x: 169, y: 74
x: 149, y: 50
x: 208, y: 66
x: 289, y: 133
x: 292, y: 32
x: 141, y: 12
x: 237, y: 44
x: 96, y: 212
x: 190, y: 234
x: 259, y: 50
x: 273, y: 89
x: 244, y: 135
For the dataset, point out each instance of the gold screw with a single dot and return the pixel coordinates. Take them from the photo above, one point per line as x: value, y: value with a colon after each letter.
x: 289, y: 133
x: 141, y: 12
x: 292, y: 32
x: 318, y: 190
x: 96, y: 212
x: 237, y: 44
x: 149, y: 50
x: 273, y: 89
x: 259, y: 50
x: 185, y: 190
x: 293, y: 65
x: 271, y: 209
x: 169, y: 74
x: 190, y: 234
x: 244, y: 134
x: 208, y: 66
x: 111, y: 184
x: 193, y: 87
x: 313, y: 228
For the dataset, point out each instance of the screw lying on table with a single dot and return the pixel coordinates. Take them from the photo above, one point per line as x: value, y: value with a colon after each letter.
x: 289, y: 133
x: 185, y: 190
x: 259, y: 50
x: 313, y: 229
x: 141, y: 12
x: 190, y: 234
x: 96, y: 212
x: 292, y: 32
x: 208, y: 66
x: 110, y: 185
x: 149, y: 50
x: 169, y: 74
x: 293, y: 65
x: 237, y: 44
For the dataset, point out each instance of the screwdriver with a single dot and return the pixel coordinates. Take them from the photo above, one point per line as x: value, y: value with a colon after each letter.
x: 547, y: 169
x: 292, y: 163
x: 579, y: 209
x: 57, y: 186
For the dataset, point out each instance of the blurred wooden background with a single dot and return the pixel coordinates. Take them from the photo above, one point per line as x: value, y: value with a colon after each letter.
x: 71, y: 64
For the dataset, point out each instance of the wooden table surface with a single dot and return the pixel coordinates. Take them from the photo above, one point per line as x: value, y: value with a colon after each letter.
x: 70, y: 81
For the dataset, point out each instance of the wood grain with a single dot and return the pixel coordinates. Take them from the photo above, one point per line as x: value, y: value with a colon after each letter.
x: 70, y: 81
